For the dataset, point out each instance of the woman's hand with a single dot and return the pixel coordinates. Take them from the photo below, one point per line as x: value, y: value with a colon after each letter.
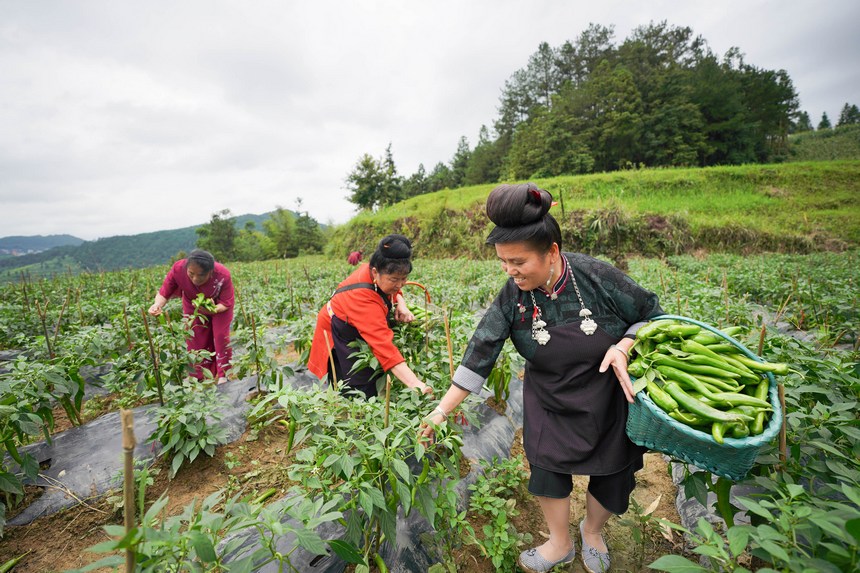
x: 616, y: 356
x: 155, y: 310
x: 403, y: 314
x: 426, y: 431
x: 424, y: 389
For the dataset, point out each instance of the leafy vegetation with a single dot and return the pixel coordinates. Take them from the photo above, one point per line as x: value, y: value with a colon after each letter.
x: 347, y: 454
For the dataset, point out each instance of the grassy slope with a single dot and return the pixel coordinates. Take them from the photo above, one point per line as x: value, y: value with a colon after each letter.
x: 793, y: 206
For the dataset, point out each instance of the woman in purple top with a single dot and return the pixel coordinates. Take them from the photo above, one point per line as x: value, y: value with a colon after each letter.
x: 199, y: 273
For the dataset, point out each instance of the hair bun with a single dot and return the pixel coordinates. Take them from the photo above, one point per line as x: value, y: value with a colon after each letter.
x: 517, y: 205
x: 395, y: 247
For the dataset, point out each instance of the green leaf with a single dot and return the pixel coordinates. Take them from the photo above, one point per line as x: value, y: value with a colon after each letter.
x: 346, y: 551
x: 402, y: 469
x: 9, y: 483
x: 852, y: 526
x: 203, y: 546
x: 676, y: 564
x: 738, y: 537
x: 775, y: 550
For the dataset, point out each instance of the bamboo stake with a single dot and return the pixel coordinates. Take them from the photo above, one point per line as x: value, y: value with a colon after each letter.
x: 782, y: 438
x: 127, y: 329
x: 42, y: 312
x: 60, y: 317
x: 387, y: 398
x: 154, y: 357
x: 450, y: 347
x: 331, y: 361
x: 128, y: 444
x: 761, y: 339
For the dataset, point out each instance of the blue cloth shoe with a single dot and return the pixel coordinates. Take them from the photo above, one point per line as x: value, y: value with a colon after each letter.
x: 594, y: 561
x: 532, y: 561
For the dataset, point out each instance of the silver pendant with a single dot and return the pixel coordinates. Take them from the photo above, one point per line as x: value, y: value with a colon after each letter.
x: 588, y: 326
x: 541, y: 336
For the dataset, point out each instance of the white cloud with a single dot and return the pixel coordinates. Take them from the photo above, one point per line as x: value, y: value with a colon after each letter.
x: 120, y: 117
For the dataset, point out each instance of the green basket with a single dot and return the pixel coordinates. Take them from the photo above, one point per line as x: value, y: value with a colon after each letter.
x: 648, y: 425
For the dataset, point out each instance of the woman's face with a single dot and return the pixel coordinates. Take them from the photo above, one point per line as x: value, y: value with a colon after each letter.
x: 196, y: 273
x: 529, y: 268
x: 389, y: 283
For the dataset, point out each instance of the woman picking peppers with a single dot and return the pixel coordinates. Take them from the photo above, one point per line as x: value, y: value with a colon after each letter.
x: 573, y: 318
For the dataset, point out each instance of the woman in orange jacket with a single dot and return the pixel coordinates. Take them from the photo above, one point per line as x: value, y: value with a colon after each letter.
x: 360, y: 309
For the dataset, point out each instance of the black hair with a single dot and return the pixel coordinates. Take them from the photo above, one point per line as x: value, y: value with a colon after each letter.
x: 202, y: 259
x: 521, y: 215
x: 392, y: 255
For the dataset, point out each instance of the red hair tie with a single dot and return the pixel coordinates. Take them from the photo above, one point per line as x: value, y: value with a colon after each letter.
x: 536, y: 194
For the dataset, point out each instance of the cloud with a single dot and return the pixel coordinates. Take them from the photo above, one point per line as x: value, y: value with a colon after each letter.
x: 120, y: 118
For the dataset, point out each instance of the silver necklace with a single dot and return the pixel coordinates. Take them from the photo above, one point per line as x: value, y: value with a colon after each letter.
x: 540, y: 334
x: 588, y: 326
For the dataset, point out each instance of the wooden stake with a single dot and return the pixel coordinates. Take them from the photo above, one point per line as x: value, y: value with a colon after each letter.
x: 387, y: 398
x: 761, y: 339
x: 450, y: 347
x: 782, y: 439
x: 127, y: 329
x: 331, y: 361
x: 128, y: 444
x: 154, y: 356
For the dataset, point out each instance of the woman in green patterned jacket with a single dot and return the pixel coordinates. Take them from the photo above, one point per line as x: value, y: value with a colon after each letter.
x: 573, y: 318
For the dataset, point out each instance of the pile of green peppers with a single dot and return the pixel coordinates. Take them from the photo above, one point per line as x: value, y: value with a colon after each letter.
x: 702, y: 380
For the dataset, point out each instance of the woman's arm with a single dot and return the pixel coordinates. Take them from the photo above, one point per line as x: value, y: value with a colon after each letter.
x: 157, y: 306
x: 405, y: 374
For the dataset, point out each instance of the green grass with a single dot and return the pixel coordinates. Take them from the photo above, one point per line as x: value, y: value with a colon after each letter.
x: 800, y: 206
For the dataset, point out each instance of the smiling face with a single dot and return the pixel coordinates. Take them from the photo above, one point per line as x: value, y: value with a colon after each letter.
x: 528, y: 267
x: 196, y: 273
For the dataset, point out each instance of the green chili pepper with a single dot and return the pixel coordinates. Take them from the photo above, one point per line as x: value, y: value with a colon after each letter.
x: 691, y: 368
x: 729, y: 385
x: 758, y: 423
x: 649, y: 329
x: 737, y: 399
x: 775, y: 367
x: 724, y: 348
x: 681, y: 330
x: 718, y: 429
x: 719, y: 363
x: 684, y: 378
x: 637, y: 368
x: 700, y: 409
x: 661, y: 398
x: 689, y: 419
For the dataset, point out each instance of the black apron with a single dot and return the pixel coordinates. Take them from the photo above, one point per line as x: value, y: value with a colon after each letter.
x: 574, y: 416
x: 343, y: 334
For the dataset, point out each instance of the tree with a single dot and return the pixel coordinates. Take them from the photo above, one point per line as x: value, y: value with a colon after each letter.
x: 825, y: 122
x: 218, y: 236
x: 253, y: 245
x: 485, y: 162
x: 459, y: 163
x: 308, y: 238
x: 416, y: 184
x: 392, y: 186
x: 374, y: 183
x: 850, y: 115
x: 439, y: 178
x: 803, y: 123
x: 281, y: 230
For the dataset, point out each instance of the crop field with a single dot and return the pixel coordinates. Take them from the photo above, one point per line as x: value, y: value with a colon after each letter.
x: 303, y: 472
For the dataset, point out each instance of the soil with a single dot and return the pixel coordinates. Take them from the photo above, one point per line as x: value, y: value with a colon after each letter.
x: 255, y: 463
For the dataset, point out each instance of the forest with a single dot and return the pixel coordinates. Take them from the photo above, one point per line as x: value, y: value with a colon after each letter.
x: 660, y: 98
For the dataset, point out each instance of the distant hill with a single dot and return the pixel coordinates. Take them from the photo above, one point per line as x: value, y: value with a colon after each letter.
x: 18, y: 245
x: 110, y: 253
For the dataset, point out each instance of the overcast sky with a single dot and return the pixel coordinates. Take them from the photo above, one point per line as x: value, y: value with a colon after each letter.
x: 121, y: 117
